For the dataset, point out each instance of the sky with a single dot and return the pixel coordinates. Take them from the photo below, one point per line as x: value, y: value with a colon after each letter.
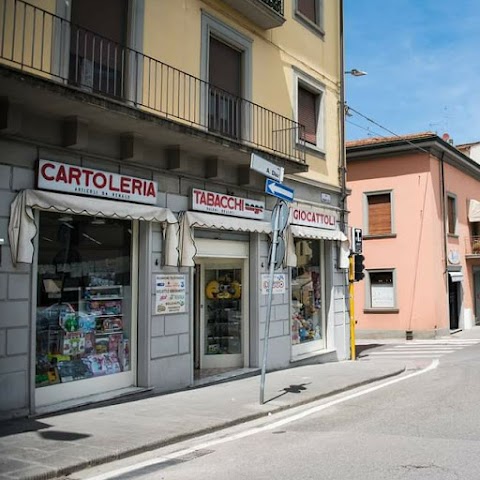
x: 423, y: 63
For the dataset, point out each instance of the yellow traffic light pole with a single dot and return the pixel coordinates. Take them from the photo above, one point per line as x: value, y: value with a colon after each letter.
x: 351, y: 279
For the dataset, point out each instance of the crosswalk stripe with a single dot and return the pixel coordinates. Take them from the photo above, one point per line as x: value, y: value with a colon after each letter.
x: 410, y: 356
x: 439, y: 347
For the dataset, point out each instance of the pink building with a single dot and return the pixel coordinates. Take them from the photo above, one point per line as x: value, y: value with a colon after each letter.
x: 417, y: 199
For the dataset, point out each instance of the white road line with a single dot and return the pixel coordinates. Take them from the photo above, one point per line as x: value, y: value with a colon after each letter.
x: 254, y: 431
x: 439, y: 347
x: 393, y: 352
x: 409, y: 356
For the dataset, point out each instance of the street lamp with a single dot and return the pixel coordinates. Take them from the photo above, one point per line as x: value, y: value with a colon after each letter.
x: 356, y: 73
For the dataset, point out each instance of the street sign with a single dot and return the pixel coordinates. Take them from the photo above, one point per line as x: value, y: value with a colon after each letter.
x: 357, y: 240
x: 266, y: 168
x: 279, y: 190
x: 283, y: 215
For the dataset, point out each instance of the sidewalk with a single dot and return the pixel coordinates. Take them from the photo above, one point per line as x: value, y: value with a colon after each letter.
x: 59, y: 444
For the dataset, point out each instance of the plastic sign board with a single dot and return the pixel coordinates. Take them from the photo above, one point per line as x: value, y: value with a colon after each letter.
x: 62, y: 177
x: 316, y: 218
x: 357, y: 240
x: 279, y: 190
x: 213, y: 202
x: 266, y: 168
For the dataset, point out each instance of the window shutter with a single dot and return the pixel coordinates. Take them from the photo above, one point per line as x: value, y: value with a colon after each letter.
x: 307, y: 114
x: 225, y: 65
x: 308, y: 9
x: 379, y: 214
x: 451, y: 215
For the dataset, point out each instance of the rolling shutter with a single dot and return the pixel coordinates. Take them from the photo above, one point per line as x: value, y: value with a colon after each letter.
x: 379, y: 214
x: 307, y: 114
x: 308, y: 9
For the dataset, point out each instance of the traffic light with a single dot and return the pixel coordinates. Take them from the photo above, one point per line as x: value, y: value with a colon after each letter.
x: 358, y: 268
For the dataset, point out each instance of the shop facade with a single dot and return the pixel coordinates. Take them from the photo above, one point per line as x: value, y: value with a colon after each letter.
x: 126, y: 294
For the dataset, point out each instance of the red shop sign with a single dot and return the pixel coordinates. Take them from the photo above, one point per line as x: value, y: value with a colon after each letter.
x: 87, y: 181
x: 213, y: 202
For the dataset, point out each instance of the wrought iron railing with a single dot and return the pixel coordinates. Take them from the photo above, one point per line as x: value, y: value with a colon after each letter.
x: 45, y: 44
x: 473, y: 245
x: 276, y: 5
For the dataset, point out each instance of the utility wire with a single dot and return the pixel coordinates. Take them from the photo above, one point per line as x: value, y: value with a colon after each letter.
x: 367, y: 129
x: 349, y: 108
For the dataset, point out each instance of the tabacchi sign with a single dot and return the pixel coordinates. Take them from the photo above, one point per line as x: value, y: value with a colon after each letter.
x: 87, y: 181
x: 313, y: 218
x: 212, y: 202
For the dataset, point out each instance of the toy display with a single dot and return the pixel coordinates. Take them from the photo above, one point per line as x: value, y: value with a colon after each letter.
x: 306, y: 304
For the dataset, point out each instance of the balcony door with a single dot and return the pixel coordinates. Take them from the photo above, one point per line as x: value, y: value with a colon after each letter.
x: 225, y: 88
x: 98, y: 57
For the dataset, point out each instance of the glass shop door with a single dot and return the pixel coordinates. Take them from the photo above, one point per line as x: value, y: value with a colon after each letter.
x: 223, y: 317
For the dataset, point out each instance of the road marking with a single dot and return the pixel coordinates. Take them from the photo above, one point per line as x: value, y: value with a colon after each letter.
x: 413, y: 352
x: 265, y: 428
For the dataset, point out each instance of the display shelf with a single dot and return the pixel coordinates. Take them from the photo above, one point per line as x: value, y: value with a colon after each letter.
x: 107, y: 315
x: 97, y: 299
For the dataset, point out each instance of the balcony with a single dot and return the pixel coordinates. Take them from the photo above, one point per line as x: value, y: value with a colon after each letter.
x: 264, y: 13
x: 472, y: 247
x: 44, y: 45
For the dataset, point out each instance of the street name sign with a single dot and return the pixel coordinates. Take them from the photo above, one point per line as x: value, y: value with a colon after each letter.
x: 279, y: 190
x: 266, y: 168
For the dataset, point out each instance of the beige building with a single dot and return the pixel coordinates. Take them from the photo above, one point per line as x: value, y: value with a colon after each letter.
x: 135, y: 233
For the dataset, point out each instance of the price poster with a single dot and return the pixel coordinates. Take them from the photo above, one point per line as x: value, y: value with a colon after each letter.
x: 170, y: 294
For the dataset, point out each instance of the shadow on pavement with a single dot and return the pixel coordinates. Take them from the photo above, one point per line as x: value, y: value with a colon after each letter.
x: 291, y: 389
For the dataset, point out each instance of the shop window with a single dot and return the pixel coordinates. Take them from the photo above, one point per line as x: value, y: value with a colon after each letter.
x: 451, y: 214
x: 307, y: 293
x: 381, y: 289
x: 84, y: 298
x: 379, y: 213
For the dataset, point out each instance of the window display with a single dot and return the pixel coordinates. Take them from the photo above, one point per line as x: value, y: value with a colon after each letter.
x: 307, y: 314
x: 83, y: 298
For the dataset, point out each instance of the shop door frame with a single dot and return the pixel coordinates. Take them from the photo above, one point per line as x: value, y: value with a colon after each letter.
x: 73, y: 391
x: 222, y: 253
x: 476, y: 292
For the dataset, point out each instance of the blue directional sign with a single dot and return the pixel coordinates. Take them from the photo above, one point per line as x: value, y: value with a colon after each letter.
x: 279, y: 190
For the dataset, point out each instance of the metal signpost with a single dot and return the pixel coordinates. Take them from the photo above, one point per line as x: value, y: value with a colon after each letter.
x: 279, y: 223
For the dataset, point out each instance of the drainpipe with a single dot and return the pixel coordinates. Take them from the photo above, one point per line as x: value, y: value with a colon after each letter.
x: 342, y: 173
x: 444, y: 222
x: 342, y: 169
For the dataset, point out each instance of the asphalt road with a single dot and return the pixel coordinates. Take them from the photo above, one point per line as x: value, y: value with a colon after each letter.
x: 421, y: 426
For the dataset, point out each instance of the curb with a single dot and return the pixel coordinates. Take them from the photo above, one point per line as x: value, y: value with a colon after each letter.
x: 64, y: 471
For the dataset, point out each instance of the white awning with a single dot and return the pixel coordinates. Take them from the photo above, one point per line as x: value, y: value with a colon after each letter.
x: 298, y: 231
x: 456, y: 276
x: 22, y: 228
x: 192, y: 220
x: 474, y: 211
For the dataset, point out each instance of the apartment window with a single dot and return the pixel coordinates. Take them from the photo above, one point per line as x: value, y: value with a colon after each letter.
x: 226, y: 66
x: 310, y: 111
x: 379, y: 213
x: 97, y: 52
x: 311, y: 13
x: 451, y: 214
x: 224, y: 74
x: 381, y: 289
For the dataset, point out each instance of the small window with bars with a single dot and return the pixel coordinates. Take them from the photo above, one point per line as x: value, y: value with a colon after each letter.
x: 379, y: 211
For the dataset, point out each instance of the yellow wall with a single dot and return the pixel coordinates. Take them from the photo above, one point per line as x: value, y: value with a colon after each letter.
x: 26, y: 36
x: 172, y: 34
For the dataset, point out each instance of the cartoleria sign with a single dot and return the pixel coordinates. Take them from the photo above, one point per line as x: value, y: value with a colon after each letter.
x: 62, y: 177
